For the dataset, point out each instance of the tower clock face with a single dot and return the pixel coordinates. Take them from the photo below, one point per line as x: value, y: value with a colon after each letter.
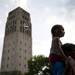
x: 26, y: 27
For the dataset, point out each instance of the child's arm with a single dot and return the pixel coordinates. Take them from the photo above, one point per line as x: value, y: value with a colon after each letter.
x: 58, y: 45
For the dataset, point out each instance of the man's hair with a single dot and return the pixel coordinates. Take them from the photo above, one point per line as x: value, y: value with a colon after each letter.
x: 54, y: 28
x: 68, y: 48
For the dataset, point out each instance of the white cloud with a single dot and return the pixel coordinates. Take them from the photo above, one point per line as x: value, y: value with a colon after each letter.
x: 41, y: 47
x: 44, y: 14
x: 21, y: 3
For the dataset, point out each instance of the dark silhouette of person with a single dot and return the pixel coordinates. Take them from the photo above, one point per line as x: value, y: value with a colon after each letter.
x: 57, y: 56
x: 69, y: 50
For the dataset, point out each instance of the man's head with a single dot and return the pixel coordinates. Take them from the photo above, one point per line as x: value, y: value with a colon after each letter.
x: 69, y: 49
x: 57, y: 31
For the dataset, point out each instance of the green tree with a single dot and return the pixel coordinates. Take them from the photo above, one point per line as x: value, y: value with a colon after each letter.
x: 36, y: 65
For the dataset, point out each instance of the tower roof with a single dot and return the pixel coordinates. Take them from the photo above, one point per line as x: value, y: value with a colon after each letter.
x: 18, y: 8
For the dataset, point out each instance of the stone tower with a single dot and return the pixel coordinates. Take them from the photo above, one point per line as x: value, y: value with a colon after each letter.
x: 17, y: 48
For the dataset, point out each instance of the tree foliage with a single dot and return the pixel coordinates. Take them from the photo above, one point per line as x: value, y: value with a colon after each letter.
x: 37, y: 64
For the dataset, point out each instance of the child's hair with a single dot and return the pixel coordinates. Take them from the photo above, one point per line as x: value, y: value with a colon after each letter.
x: 56, y: 29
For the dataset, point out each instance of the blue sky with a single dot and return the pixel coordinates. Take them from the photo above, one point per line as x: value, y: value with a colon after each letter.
x: 44, y: 14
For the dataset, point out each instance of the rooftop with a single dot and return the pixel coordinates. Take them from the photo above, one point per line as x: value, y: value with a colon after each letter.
x: 18, y: 8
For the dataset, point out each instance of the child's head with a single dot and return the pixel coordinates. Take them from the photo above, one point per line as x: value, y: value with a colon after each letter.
x: 57, y: 31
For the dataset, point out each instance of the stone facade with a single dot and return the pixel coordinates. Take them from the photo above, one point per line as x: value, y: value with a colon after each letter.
x: 17, y: 48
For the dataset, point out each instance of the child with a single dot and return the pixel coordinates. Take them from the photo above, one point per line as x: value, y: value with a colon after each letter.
x: 57, y: 55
